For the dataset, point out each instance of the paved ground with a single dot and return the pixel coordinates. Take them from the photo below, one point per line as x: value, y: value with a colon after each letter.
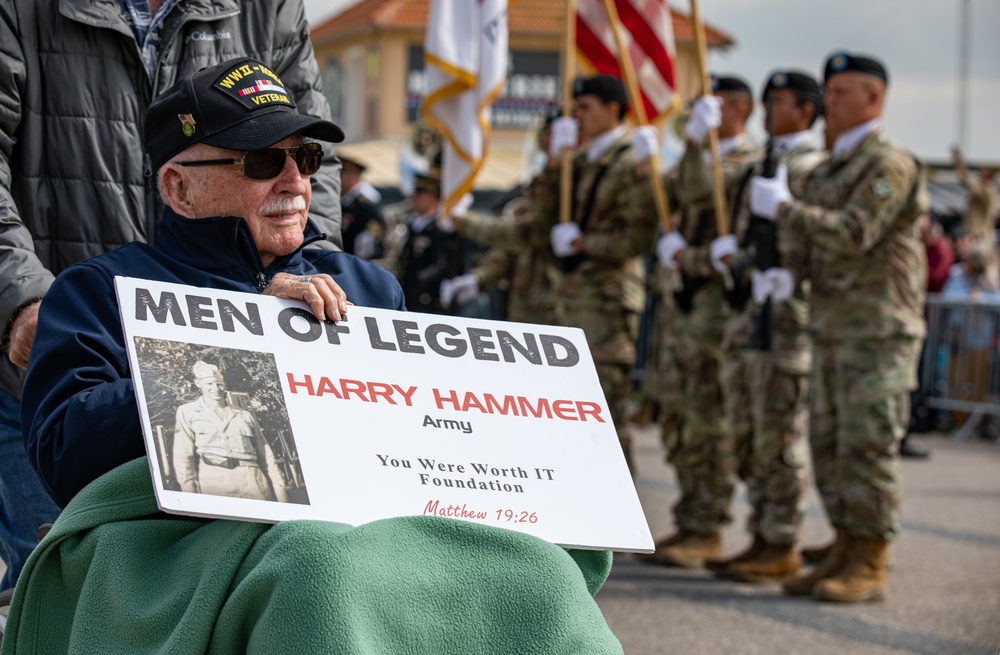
x: 945, y: 586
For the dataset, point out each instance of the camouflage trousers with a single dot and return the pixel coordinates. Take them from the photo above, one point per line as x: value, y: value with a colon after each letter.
x: 773, y: 455
x: 611, y: 335
x: 701, y: 451
x: 859, y: 412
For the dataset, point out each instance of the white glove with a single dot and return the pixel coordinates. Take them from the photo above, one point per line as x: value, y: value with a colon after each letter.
x: 720, y: 248
x: 461, y: 207
x: 562, y: 237
x: 667, y: 248
x: 778, y: 284
x: 645, y: 142
x: 767, y: 194
x: 461, y: 289
x: 706, y: 115
x: 563, y: 134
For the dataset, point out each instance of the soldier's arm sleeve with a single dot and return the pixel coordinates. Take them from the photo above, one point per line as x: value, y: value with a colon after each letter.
x: 543, y: 194
x: 185, y: 455
x: 633, y: 205
x: 486, y: 231
x: 867, y: 214
x: 295, y: 62
x: 493, y: 267
x: 23, y: 278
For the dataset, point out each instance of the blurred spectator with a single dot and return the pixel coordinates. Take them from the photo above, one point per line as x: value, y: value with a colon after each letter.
x: 939, y: 254
x: 980, y: 217
x: 362, y: 226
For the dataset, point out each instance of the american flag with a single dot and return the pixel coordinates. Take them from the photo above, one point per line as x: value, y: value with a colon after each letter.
x: 649, y: 35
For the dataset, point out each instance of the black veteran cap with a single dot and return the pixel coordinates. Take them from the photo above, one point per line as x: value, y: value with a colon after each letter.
x: 605, y: 87
x: 844, y: 62
x: 240, y: 104
x: 721, y: 83
x: 427, y: 183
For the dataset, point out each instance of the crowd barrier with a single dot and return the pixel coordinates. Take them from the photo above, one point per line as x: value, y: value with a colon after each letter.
x: 960, y: 369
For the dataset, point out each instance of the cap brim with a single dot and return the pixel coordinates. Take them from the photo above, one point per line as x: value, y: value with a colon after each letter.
x: 264, y: 130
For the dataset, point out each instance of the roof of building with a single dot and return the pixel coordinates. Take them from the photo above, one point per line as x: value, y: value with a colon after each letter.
x: 525, y: 18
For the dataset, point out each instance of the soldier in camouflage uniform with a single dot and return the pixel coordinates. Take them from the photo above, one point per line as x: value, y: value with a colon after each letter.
x: 859, y: 216
x: 613, y: 225
x: 519, y: 258
x: 773, y: 457
x: 703, y: 449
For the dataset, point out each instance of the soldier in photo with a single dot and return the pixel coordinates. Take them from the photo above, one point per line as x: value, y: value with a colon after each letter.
x: 613, y: 224
x: 859, y: 216
x: 362, y: 226
x: 219, y: 448
x: 702, y: 450
x: 773, y: 457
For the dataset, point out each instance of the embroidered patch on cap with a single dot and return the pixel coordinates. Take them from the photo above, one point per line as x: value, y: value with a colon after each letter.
x: 254, y: 86
x: 838, y: 62
x: 187, y: 124
x: 779, y: 80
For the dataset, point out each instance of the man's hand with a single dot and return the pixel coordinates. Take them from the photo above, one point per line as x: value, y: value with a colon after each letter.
x: 324, y: 296
x: 768, y: 194
x: 706, y: 115
x: 778, y: 284
x: 461, y: 289
x: 668, y: 247
x: 22, y: 334
x: 566, y: 239
x: 721, y: 249
x: 563, y: 134
x: 645, y: 142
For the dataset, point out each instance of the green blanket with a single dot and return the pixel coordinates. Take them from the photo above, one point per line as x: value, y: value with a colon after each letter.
x: 116, y: 576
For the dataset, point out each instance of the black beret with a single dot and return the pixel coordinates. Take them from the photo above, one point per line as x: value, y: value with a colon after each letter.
x: 843, y: 62
x: 605, y: 87
x: 722, y: 83
x: 803, y: 84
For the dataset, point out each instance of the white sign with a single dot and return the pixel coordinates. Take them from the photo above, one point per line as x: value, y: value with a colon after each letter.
x: 385, y: 414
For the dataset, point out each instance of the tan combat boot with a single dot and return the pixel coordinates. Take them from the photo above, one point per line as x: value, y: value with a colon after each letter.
x: 661, y: 545
x: 835, y: 560
x: 864, y: 578
x: 720, y: 566
x: 692, y: 551
x: 773, y: 564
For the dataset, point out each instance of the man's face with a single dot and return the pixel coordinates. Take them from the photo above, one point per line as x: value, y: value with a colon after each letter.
x: 423, y: 201
x: 851, y: 99
x: 213, y: 388
x: 595, y: 117
x: 275, y: 210
x: 787, y: 115
x: 734, y: 114
x: 349, y: 178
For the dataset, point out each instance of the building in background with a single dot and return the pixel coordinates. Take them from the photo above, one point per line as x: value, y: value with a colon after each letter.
x: 371, y: 56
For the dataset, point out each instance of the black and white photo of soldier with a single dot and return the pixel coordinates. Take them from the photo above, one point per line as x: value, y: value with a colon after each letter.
x: 219, y: 421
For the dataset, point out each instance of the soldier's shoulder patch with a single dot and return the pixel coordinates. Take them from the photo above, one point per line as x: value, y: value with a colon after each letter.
x: 882, y: 188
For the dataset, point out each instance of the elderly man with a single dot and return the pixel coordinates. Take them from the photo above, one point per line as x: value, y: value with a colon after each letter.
x: 858, y: 215
x: 219, y: 448
x: 116, y: 575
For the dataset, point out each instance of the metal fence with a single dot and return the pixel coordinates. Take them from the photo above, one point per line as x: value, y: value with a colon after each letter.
x: 960, y: 369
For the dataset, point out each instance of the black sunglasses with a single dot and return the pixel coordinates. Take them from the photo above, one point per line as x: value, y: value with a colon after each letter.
x: 267, y: 163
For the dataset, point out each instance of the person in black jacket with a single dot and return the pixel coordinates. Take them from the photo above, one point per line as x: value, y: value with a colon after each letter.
x: 433, y: 250
x: 362, y: 226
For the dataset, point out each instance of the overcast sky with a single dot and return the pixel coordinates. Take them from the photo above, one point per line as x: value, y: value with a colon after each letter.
x: 917, y: 40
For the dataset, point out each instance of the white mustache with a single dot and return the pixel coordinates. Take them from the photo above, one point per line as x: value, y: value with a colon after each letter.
x: 283, y: 205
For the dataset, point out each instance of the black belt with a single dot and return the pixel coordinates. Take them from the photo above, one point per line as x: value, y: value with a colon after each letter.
x: 227, y: 462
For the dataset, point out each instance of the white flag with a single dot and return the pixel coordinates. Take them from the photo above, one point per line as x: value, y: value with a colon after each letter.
x: 465, y: 57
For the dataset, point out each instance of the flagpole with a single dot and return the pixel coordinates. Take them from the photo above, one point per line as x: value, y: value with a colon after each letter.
x: 635, y: 99
x: 568, y: 75
x: 719, y: 196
